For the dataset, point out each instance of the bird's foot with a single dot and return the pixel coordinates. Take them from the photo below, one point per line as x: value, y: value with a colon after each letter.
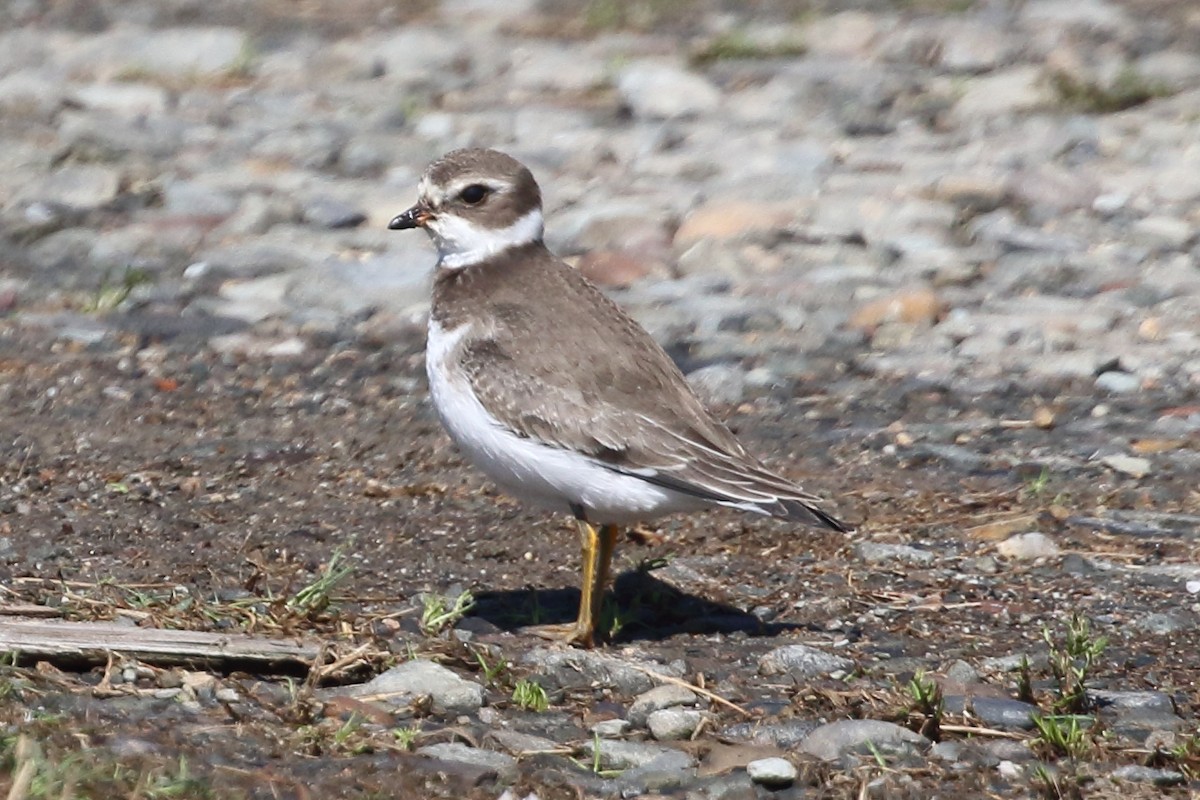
x: 570, y: 633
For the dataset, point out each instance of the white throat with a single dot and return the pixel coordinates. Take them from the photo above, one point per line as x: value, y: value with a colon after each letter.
x: 462, y: 243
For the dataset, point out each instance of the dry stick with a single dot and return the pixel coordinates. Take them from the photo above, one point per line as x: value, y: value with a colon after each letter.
x: 982, y: 731
x: 343, y: 661
x: 716, y: 698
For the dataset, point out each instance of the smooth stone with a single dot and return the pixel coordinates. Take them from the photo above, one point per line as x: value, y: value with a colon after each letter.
x: 1119, y: 701
x: 129, y: 99
x: 671, y: 724
x: 324, y: 212
x: 82, y: 186
x: 1003, y: 713
x: 1118, y: 382
x: 518, y: 744
x: 659, y: 90
x: 505, y: 765
x: 587, y: 669
x: 1028, y: 546
x: 450, y: 693
x: 1136, y: 773
x: 830, y: 741
x: 616, y: 754
x: 661, y: 697
x: 611, y: 728
x: 785, y: 734
x: 719, y: 384
x: 1134, y: 466
x: 772, y: 772
x: 884, y: 552
x: 800, y: 661
x: 962, y: 672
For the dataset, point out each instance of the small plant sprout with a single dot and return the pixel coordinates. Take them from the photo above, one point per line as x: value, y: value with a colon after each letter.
x: 316, y: 596
x: 492, y: 671
x: 1062, y: 734
x: 1071, y: 663
x: 406, y: 738
x: 435, y: 615
x: 927, y: 701
x: 530, y: 696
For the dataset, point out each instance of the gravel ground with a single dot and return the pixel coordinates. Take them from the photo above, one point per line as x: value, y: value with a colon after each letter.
x: 938, y: 261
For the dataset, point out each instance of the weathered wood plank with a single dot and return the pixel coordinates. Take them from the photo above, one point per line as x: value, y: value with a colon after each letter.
x: 93, y: 641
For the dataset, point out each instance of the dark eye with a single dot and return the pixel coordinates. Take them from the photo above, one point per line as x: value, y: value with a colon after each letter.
x: 473, y: 195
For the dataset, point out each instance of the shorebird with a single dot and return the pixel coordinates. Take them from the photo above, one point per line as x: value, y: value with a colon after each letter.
x: 554, y: 392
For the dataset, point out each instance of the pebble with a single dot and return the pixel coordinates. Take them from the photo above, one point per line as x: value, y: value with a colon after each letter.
x: 571, y: 669
x: 450, y: 694
x: 1003, y: 713
x: 658, y: 90
x: 830, y: 741
x: 615, y: 754
x: 504, y: 765
x: 669, y: 724
x: 773, y: 773
x: 883, y: 552
x: 1028, y: 546
x: 1135, y: 773
x: 1117, y: 382
x: 661, y: 697
x: 801, y: 662
x: 1134, y: 466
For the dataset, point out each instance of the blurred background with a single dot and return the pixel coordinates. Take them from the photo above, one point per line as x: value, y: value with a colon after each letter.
x: 963, y: 189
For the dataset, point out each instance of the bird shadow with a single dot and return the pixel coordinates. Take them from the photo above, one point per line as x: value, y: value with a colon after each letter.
x: 639, y: 607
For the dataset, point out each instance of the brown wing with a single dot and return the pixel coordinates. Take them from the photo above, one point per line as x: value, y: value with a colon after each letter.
x: 629, y: 408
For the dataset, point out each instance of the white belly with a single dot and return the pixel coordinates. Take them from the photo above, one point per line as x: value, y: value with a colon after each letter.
x: 548, y: 476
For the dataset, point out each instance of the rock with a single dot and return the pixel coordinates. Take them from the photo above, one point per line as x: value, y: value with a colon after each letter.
x: 1167, y: 233
x: 882, y: 552
x: 520, y: 744
x: 400, y: 685
x: 801, y: 662
x: 1134, y: 466
x: 850, y: 34
x: 504, y: 765
x: 962, y: 673
x: 661, y: 697
x: 670, y: 724
x: 325, y: 212
x: 732, y: 219
x: 176, y: 52
x: 830, y: 741
x: 785, y: 734
x: 1027, y: 546
x: 614, y: 268
x: 1003, y: 713
x: 772, y: 772
x: 1162, y: 624
x: 1117, y: 382
x: 974, y: 193
x: 1015, y: 90
x: 579, y: 669
x: 82, y: 186
x: 659, y: 90
x: 195, y: 199
x: 719, y: 384
x: 620, y: 755
x: 1115, y: 700
x: 126, y: 99
x: 611, y: 728
x: 1136, y: 773
x: 913, y: 307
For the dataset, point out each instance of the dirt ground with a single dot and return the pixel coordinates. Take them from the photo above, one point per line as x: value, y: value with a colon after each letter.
x: 156, y: 483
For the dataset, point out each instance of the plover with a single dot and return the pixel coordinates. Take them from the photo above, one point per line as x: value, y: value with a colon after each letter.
x: 556, y: 394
